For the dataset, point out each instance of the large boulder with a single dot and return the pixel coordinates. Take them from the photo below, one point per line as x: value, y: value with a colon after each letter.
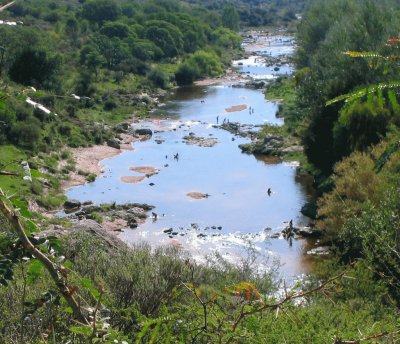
x: 113, y: 143
x: 309, y: 232
x: 143, y: 131
x: 72, y: 204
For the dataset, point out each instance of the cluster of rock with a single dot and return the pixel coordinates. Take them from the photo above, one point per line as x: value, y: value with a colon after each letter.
x: 86, y: 226
x: 272, y: 145
x: 298, y: 232
x: 242, y: 130
x: 132, y: 213
x: 181, y: 231
x: 192, y: 139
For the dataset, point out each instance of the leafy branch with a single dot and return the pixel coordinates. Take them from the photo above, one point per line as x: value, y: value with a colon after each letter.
x: 56, y: 272
x: 246, y: 301
x: 289, y: 297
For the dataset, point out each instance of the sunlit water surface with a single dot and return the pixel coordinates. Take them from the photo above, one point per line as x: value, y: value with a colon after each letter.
x: 238, y: 213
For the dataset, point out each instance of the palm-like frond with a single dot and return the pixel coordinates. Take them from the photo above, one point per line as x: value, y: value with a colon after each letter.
x: 364, y: 91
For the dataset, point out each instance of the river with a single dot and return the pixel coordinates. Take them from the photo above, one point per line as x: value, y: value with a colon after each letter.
x: 237, y: 212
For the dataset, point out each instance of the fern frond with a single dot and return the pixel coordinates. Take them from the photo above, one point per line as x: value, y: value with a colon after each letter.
x: 362, y: 92
x: 364, y: 54
x: 386, y: 155
x: 393, y: 101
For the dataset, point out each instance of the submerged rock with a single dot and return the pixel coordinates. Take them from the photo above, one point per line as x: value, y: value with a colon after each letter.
x: 191, y: 139
x: 319, y: 251
x: 309, y: 232
x: 143, y: 131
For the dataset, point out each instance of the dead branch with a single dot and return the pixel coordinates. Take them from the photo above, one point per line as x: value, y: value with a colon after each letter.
x: 66, y: 291
x: 289, y: 297
x: 7, y: 6
x: 5, y: 173
x: 360, y: 340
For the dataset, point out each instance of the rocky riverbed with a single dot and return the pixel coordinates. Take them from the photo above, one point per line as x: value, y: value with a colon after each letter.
x: 195, y: 187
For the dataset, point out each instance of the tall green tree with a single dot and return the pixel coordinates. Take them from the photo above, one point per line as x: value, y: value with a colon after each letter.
x: 36, y: 67
x: 230, y: 18
x: 100, y: 10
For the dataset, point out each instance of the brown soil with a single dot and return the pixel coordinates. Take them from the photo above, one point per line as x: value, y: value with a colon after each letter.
x: 88, y: 160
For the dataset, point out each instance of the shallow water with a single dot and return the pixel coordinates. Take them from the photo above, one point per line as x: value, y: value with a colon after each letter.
x: 238, y: 212
x: 273, y: 46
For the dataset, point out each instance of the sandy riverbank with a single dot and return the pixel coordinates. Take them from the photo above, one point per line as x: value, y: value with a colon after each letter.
x: 87, y: 159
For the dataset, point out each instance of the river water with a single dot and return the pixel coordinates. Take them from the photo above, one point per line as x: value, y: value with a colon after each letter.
x: 237, y: 213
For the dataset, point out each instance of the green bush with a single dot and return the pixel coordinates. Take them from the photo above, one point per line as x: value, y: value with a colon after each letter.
x: 36, y: 187
x: 158, y: 77
x: 91, y: 177
x: 26, y: 134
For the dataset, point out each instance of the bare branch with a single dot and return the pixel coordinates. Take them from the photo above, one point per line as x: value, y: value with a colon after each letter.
x: 289, y: 297
x: 6, y: 173
x: 364, y: 339
x: 7, y: 6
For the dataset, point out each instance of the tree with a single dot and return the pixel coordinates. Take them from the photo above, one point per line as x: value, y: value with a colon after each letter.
x: 230, y: 18
x: 72, y: 28
x: 158, y: 77
x: 226, y: 38
x: 166, y: 36
x: 186, y: 73
x: 115, y: 29
x: 113, y: 50
x: 12, y: 41
x: 35, y: 67
x: 100, y: 10
x: 91, y: 58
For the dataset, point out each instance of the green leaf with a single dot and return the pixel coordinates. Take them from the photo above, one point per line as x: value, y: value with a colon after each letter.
x: 68, y: 310
x: 87, y: 283
x: 68, y: 264
x: 81, y: 330
x: 23, y: 207
x: 34, y: 270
